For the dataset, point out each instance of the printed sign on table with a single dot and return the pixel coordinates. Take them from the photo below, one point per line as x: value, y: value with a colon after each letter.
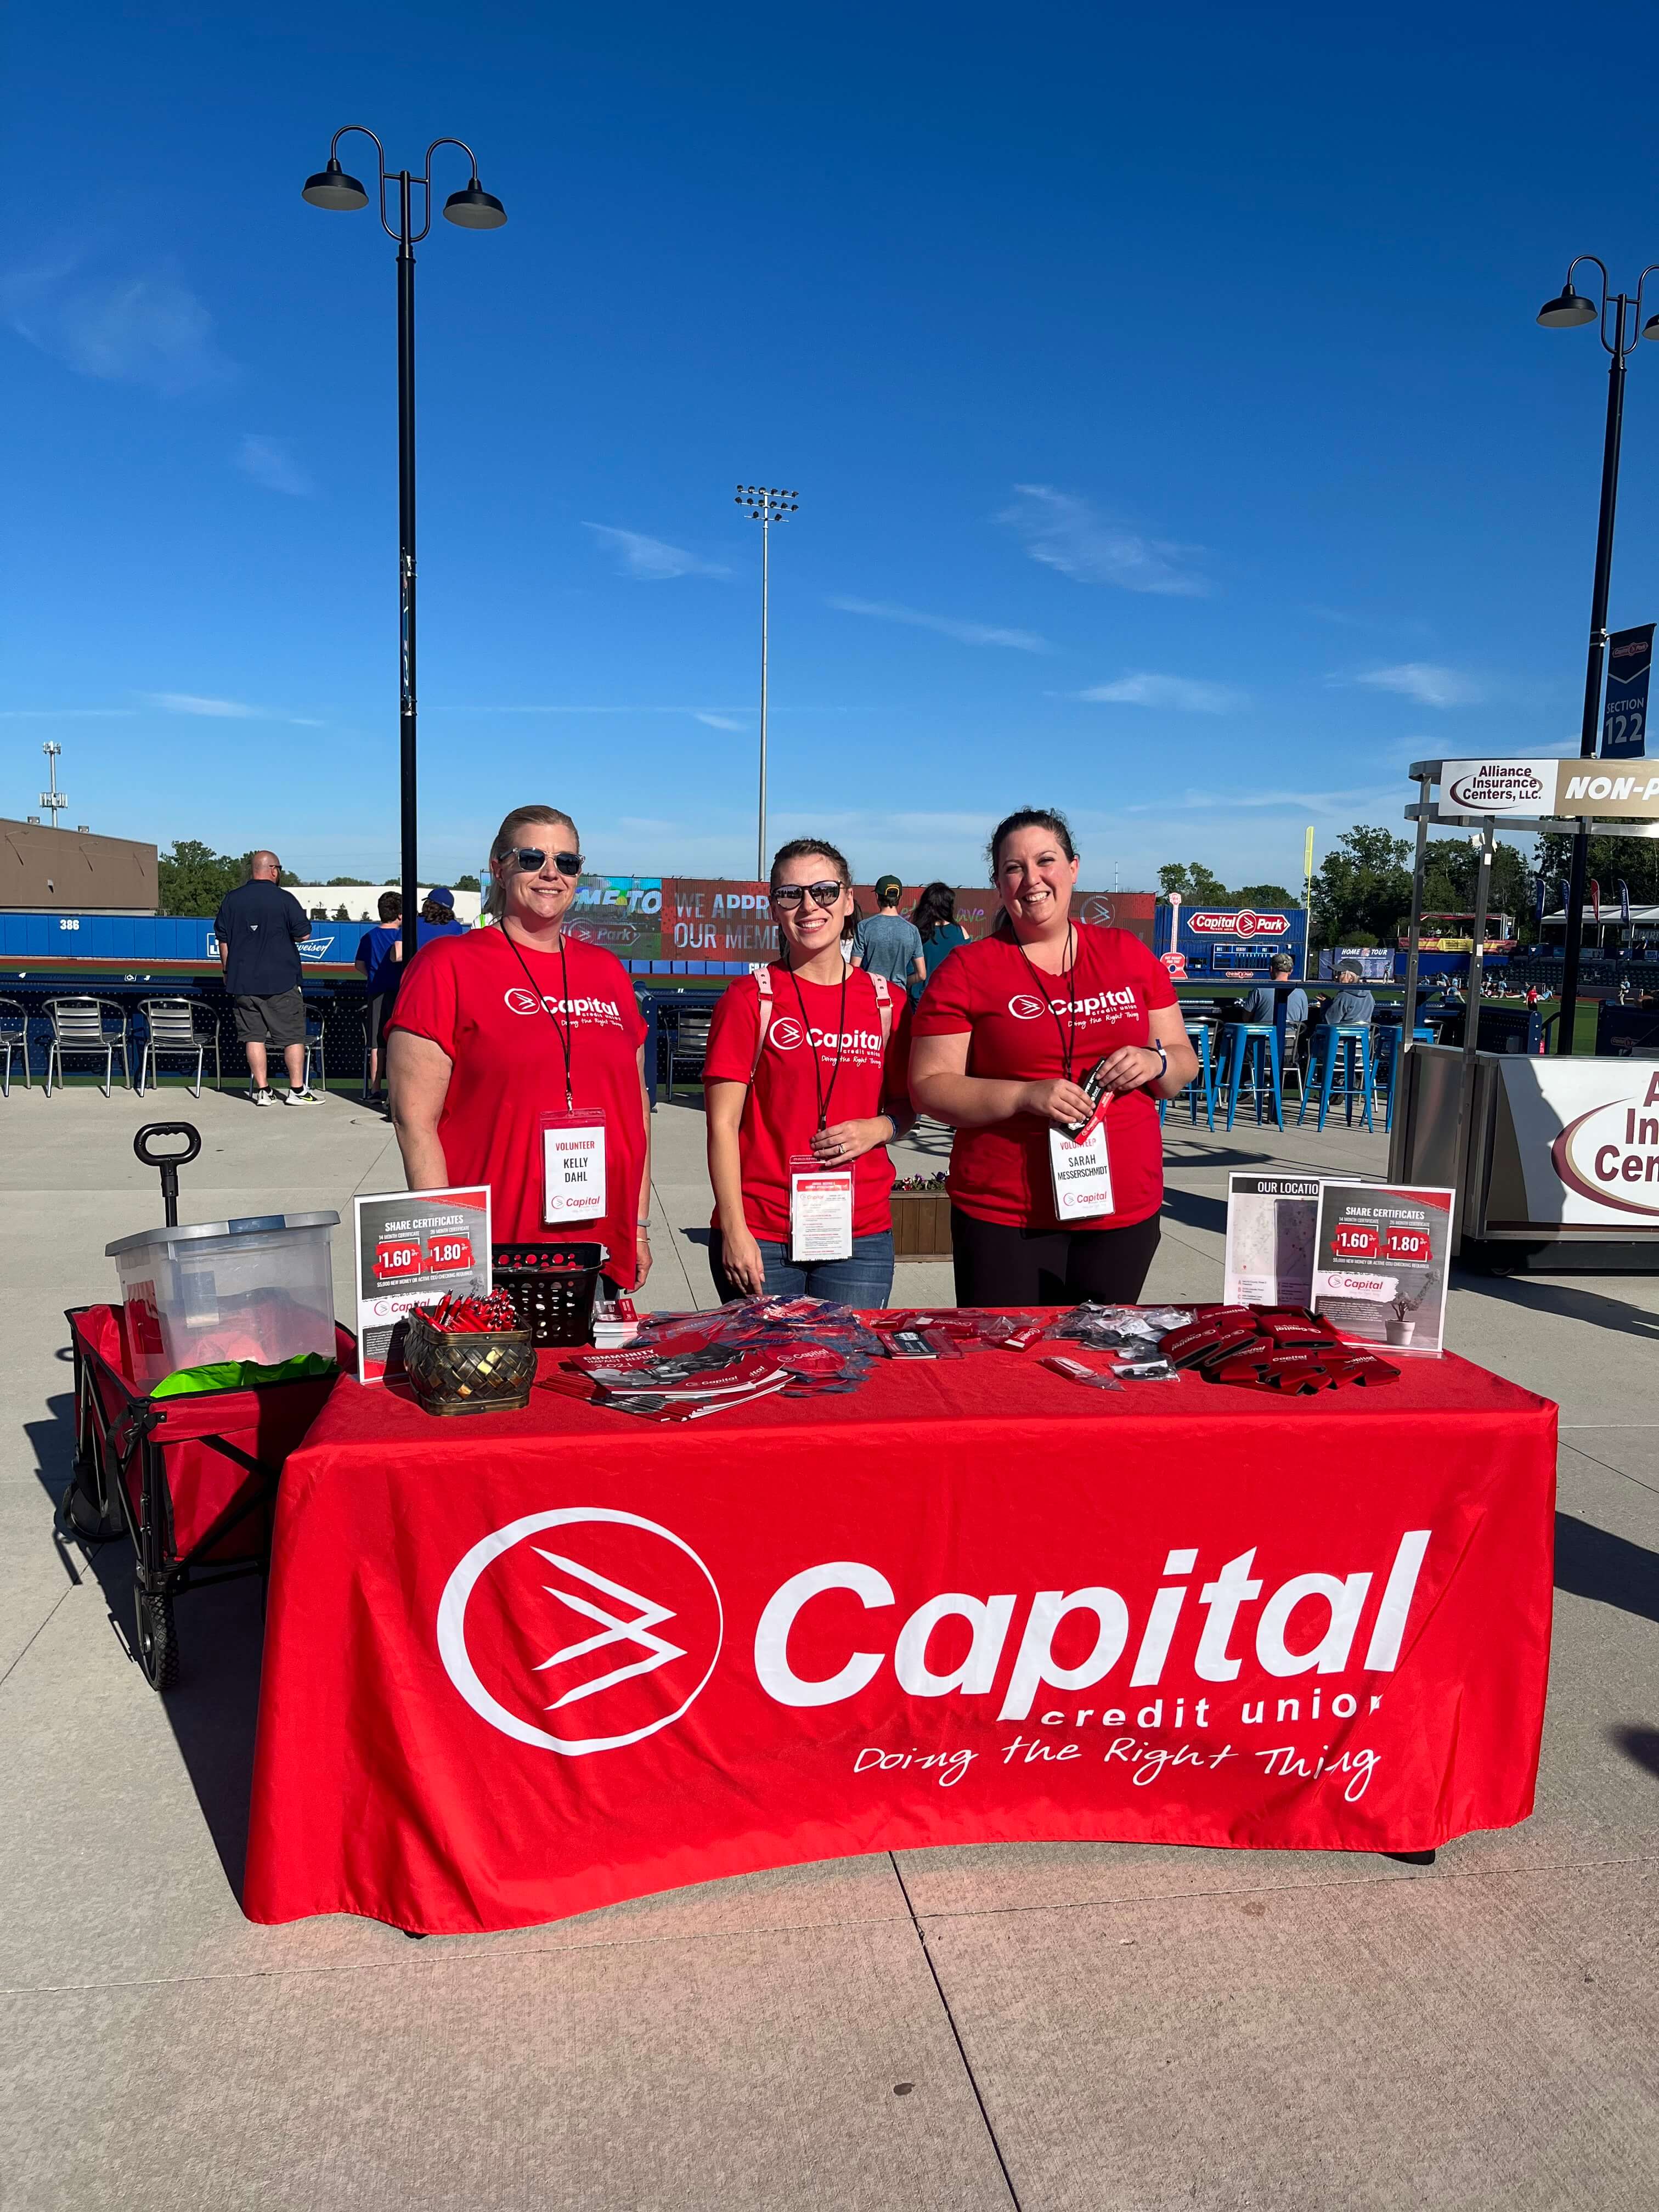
x: 1381, y: 1254
x: 413, y: 1247
x: 1271, y: 1223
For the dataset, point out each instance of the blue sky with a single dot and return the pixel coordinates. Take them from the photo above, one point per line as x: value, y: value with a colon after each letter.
x: 1173, y: 437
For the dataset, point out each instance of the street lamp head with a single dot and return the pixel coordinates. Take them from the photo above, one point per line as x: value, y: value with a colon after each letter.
x: 1650, y: 328
x: 332, y: 188
x: 475, y: 208
x: 1568, y: 311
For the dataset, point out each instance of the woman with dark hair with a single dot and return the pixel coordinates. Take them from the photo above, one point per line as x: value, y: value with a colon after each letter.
x: 1056, y: 1190
x: 935, y: 918
x: 803, y: 1086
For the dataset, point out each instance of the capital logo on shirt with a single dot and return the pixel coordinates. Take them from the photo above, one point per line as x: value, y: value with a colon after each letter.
x: 595, y: 1639
x: 1023, y: 1007
x: 786, y: 1032
x: 521, y: 1001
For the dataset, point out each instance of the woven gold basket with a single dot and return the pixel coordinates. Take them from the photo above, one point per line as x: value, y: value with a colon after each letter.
x: 489, y: 1372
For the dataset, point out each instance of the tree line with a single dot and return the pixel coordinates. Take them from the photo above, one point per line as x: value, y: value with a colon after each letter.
x: 193, y: 880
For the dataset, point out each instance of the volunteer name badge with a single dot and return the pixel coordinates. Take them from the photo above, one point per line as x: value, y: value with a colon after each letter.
x: 1081, y: 1173
x: 820, y: 1212
x: 573, y: 1168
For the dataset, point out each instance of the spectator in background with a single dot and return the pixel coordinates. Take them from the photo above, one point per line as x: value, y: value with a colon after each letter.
x: 1353, y: 1005
x: 437, y: 917
x: 1259, y: 1004
x: 377, y: 956
x: 938, y: 929
x: 260, y: 928
x: 885, y: 944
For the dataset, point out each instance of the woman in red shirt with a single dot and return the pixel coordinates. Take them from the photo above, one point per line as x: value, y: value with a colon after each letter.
x: 803, y: 1087
x: 513, y: 1051
x: 1005, y: 1034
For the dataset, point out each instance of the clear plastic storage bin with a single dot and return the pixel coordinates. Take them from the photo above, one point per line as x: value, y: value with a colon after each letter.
x: 261, y: 1289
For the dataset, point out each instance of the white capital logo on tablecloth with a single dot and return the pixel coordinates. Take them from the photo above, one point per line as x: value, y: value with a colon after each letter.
x: 624, y: 1647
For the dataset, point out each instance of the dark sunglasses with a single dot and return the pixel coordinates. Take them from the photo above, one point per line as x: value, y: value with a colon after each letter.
x: 532, y: 860
x: 793, y: 894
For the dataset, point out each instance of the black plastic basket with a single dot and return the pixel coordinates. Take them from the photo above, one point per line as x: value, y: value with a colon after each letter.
x: 552, y: 1287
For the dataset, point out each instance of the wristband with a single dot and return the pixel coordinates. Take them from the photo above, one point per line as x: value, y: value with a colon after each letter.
x: 1163, y: 1059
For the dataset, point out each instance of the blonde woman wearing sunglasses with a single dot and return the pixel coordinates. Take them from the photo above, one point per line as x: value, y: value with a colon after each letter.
x: 805, y: 1088
x: 516, y: 1058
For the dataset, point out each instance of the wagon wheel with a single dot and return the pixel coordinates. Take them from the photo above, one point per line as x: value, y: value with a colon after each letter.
x: 158, y: 1639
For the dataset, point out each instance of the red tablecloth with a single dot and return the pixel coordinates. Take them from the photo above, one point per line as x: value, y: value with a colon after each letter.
x: 521, y: 1665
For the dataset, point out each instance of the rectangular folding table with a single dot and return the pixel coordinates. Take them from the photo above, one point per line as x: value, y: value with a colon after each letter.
x: 521, y: 1665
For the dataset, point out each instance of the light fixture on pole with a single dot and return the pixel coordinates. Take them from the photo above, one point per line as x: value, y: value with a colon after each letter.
x: 54, y: 800
x: 1571, y: 310
x: 765, y: 506
x: 470, y: 209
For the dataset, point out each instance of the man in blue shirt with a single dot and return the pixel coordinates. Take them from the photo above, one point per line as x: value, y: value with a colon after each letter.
x: 377, y: 956
x: 1259, y: 1005
x: 260, y: 928
x: 437, y: 917
x: 1352, y: 1006
x: 885, y: 943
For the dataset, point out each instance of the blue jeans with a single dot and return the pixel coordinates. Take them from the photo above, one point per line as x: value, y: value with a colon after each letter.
x: 866, y: 1279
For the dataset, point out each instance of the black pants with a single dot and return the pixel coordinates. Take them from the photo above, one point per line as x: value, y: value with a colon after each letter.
x: 997, y: 1265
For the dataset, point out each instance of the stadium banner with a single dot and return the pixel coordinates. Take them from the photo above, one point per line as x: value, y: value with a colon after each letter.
x: 622, y: 913
x: 1624, y: 718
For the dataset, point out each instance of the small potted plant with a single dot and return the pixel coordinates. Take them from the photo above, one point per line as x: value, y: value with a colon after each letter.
x: 1400, y: 1326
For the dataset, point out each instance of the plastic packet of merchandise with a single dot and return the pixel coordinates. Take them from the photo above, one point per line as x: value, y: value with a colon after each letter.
x: 1105, y: 1329
x: 1075, y: 1372
x: 1146, y: 1371
x: 1020, y: 1336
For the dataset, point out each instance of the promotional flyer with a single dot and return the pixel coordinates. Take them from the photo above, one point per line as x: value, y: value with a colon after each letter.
x: 1380, y: 1258
x: 1272, y: 1223
x: 414, y: 1246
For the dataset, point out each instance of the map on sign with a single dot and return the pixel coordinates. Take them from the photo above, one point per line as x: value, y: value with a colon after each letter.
x: 413, y: 1247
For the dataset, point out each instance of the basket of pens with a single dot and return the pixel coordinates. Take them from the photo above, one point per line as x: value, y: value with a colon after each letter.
x: 552, y: 1287
x: 469, y: 1356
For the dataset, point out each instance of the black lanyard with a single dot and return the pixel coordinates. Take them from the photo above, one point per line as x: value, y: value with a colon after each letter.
x: 1067, y: 1049
x: 563, y: 1034
x: 824, y: 1096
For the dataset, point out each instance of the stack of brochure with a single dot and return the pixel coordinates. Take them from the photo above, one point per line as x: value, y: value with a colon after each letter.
x: 614, y: 1323
x: 679, y: 1386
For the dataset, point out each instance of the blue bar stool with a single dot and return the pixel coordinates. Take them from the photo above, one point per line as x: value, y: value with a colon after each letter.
x: 1198, y: 1036
x: 1250, y: 1053
x: 1353, y: 1042
x: 1387, y: 1048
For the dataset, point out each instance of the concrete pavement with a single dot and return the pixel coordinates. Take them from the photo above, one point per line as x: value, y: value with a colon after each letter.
x: 1065, y: 2028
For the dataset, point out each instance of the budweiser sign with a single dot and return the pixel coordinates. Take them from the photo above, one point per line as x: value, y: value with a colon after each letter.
x: 1244, y: 924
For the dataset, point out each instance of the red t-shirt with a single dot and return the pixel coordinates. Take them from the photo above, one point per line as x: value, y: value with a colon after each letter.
x: 781, y: 1111
x: 990, y: 990
x: 469, y: 995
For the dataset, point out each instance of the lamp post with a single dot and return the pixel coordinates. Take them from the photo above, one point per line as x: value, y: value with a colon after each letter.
x: 766, y: 507
x: 472, y: 209
x: 1571, y: 310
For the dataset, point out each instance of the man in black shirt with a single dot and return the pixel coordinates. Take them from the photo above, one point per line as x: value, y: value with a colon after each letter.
x: 259, y: 928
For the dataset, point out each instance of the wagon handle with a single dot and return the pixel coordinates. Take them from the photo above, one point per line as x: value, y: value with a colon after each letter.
x: 168, y: 1162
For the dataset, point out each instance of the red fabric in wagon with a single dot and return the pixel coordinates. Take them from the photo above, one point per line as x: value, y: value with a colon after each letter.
x: 203, y: 1483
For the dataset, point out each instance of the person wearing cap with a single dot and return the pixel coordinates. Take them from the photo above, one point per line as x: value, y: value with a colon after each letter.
x: 1259, y: 1004
x: 437, y: 916
x: 885, y: 944
x: 1353, y: 1005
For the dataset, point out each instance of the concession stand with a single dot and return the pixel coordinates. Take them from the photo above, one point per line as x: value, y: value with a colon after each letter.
x: 1555, y: 1160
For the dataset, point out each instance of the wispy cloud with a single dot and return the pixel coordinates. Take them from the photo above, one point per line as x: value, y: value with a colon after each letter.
x: 271, y: 462
x: 650, y: 559
x: 1345, y: 805
x: 965, y: 633
x: 136, y: 327
x: 721, y: 721
x: 230, y: 710
x: 1430, y: 685
x: 63, y: 713
x: 1064, y: 531
x: 1185, y: 693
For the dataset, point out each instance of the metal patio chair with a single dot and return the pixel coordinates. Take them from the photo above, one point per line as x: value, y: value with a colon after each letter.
x: 14, y: 1038
x: 688, y: 1044
x: 315, y: 1047
x: 171, y: 1030
x: 78, y: 1025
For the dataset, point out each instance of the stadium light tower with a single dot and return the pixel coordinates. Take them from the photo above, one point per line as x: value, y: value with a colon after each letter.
x: 1571, y: 310
x: 765, y: 506
x: 472, y: 209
